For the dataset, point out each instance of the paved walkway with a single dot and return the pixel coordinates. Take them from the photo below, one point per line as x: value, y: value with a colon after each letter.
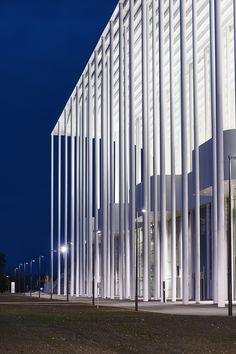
x: 205, y: 308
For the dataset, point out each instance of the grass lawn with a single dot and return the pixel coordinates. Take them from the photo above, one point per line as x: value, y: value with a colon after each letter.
x: 35, y: 326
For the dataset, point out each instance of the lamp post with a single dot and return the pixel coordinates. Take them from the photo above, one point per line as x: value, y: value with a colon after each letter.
x: 230, y: 302
x: 136, y: 260
x: 8, y: 285
x: 31, y: 275
x: 15, y: 270
x: 65, y: 249
x: 21, y: 264
x: 25, y: 264
x: 40, y: 257
x: 95, y: 232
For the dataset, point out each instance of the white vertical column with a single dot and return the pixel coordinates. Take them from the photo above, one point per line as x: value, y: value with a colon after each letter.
x: 145, y: 153
x: 108, y: 285
x: 196, y: 156
x: 126, y: 170
x: 148, y: 150
x: 121, y: 151
x: 214, y: 152
x: 82, y: 188
x: 163, y: 231
x: 208, y: 251
x: 112, y: 157
x: 184, y: 150
x: 104, y: 173
x: 72, y: 270
x: 234, y: 19
x: 96, y: 165
x: 132, y: 148
x: 52, y: 211
x: 220, y: 154
x: 77, y: 273
x: 59, y: 213
x: 206, y: 78
x: 66, y: 202
x: 172, y: 128
x: 90, y: 191
x: 155, y: 147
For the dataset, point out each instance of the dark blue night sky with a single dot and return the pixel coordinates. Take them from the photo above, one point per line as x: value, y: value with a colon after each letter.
x: 45, y: 45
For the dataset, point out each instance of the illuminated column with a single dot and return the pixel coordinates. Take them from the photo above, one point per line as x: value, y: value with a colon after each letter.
x: 196, y: 157
x: 77, y: 273
x: 208, y: 270
x: 145, y: 153
x: 172, y: 124
x: 126, y: 170
x: 121, y: 152
x: 96, y: 165
x: 104, y: 173
x: 89, y: 185
x: 112, y: 258
x: 108, y: 276
x: 72, y: 270
x: 163, y: 231
x: 52, y: 211
x: 234, y: 19
x: 59, y: 213
x: 66, y: 201
x: 132, y: 148
x: 214, y: 153
x: 155, y: 149
x: 220, y: 154
x: 184, y: 148
x: 82, y: 189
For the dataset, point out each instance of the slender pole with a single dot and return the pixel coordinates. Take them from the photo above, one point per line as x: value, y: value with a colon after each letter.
x: 163, y: 233
x: 126, y: 170
x: 72, y: 255
x: 220, y: 152
x: 121, y: 151
x: 230, y: 303
x: 52, y: 216
x: 136, y: 265
x: 93, y: 283
x: 136, y: 239
x: 66, y: 199
x: 59, y: 212
x: 132, y: 147
x: 39, y: 275
x: 112, y: 261
x: 173, y: 177
x: 77, y: 272
x: 67, y: 273
x: 31, y: 278
x: 184, y: 150
x: 196, y: 154
x: 145, y: 127
x: 214, y: 149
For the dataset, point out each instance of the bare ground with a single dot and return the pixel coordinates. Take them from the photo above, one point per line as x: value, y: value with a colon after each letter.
x: 39, y: 326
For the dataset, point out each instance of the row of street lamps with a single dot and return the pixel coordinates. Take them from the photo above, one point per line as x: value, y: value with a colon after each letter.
x: 23, y: 265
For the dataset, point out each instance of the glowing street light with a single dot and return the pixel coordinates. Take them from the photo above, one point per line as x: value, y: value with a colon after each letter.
x: 31, y: 275
x: 21, y: 264
x: 40, y: 257
x: 25, y: 264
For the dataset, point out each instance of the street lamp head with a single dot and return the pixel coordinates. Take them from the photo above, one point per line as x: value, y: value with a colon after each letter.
x: 33, y: 260
x: 64, y: 249
x: 26, y: 263
x: 144, y: 211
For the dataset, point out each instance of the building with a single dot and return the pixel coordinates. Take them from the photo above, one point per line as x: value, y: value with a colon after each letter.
x: 140, y: 156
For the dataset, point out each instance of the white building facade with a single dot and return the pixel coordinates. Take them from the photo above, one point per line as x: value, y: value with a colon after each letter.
x: 140, y: 157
